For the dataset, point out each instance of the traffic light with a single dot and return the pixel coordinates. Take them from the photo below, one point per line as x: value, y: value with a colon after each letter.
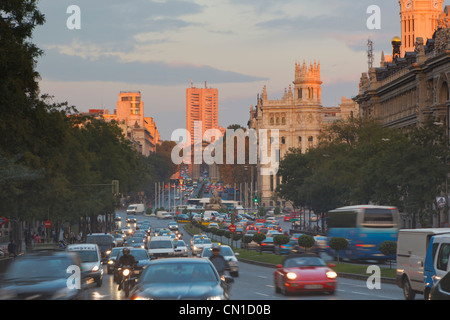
x: 115, y: 186
x: 255, y: 199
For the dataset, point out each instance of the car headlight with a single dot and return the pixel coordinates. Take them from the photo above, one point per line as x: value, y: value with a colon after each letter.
x: 95, y: 269
x: 142, y: 298
x: 110, y: 261
x: 331, y: 275
x: 107, y: 252
x: 215, y: 298
x: 291, y: 276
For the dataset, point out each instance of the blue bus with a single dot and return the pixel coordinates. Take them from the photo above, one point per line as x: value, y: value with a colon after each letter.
x: 365, y: 227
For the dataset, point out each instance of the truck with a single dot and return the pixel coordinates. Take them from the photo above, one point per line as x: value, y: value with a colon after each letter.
x: 417, y: 258
x: 136, y: 208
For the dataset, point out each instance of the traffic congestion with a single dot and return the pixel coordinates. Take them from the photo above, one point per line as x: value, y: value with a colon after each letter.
x: 184, y: 255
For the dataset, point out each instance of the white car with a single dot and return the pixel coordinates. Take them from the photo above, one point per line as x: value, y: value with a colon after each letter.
x: 229, y: 256
x: 180, y: 248
x: 199, y: 244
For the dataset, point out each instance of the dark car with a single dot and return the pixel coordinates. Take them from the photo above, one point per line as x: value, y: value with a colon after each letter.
x: 46, y: 275
x: 105, y: 241
x: 441, y: 290
x: 181, y: 279
x: 135, y: 242
x: 267, y: 245
x: 142, y: 258
x: 112, y: 259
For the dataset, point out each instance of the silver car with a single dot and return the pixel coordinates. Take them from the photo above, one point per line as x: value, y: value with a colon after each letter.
x: 229, y: 256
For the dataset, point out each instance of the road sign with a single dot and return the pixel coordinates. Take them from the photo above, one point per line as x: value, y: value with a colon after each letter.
x: 48, y: 224
x: 3, y: 220
x: 232, y: 228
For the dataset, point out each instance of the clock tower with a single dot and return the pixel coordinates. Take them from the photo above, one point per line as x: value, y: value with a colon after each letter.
x: 419, y: 18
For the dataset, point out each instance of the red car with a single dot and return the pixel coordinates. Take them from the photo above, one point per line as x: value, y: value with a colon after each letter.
x: 287, y: 217
x: 304, y: 273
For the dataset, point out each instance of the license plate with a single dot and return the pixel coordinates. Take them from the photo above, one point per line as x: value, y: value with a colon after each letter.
x: 313, y: 286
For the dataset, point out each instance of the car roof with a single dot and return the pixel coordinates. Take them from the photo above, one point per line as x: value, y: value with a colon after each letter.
x: 179, y: 260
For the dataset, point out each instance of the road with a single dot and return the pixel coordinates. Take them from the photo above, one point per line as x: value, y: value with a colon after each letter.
x: 256, y: 283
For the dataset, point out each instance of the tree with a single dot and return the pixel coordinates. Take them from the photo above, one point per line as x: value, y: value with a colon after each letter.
x: 338, y: 244
x: 280, y: 239
x: 258, y: 238
x: 388, y: 248
x: 306, y: 241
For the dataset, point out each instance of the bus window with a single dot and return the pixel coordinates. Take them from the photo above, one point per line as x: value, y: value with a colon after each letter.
x: 342, y: 219
x: 378, y: 218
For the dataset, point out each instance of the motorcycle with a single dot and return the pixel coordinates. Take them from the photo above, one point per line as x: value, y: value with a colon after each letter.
x: 127, y: 280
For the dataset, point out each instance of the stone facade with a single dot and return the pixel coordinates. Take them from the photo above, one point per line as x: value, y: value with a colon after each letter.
x: 300, y: 118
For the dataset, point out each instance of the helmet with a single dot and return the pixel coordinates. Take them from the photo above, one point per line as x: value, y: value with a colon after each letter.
x: 126, y: 250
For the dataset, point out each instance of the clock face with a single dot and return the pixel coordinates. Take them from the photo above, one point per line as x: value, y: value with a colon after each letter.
x: 408, y: 4
x: 435, y: 3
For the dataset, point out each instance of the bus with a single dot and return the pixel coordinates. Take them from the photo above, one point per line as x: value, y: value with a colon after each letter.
x: 365, y: 227
x: 203, y: 201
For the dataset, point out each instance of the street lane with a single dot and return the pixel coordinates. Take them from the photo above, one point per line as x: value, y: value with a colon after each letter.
x: 256, y: 283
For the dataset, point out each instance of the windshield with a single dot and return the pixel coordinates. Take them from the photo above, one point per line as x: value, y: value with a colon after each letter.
x: 87, y: 255
x: 39, y: 268
x: 224, y: 251
x: 100, y: 240
x: 137, y: 254
x: 202, y: 241
x: 160, y: 244
x: 304, y: 262
x: 179, y: 273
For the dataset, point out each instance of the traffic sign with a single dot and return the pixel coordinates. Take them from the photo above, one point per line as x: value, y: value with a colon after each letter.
x: 3, y: 220
x: 232, y: 228
x: 48, y: 224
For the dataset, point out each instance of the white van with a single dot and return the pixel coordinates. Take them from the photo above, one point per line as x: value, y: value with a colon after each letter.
x: 91, y: 261
x: 209, y: 214
x: 137, y: 208
x: 161, y: 247
x: 412, y: 250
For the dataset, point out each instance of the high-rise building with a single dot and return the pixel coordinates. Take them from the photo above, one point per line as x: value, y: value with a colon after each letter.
x: 202, y: 105
x: 202, y: 113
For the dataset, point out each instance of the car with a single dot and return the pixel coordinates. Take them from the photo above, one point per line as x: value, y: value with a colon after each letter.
x: 287, y: 217
x: 304, y: 273
x: 180, y: 248
x: 199, y: 244
x: 229, y: 256
x: 173, y: 226
x: 161, y: 247
x: 441, y: 290
x: 135, y: 242
x: 213, y: 225
x: 91, y: 261
x: 266, y: 245
x: 288, y: 247
x: 118, y: 239
x: 181, y: 279
x: 105, y: 241
x: 112, y: 259
x: 43, y: 275
x: 320, y: 243
x: 131, y: 219
x: 140, y: 255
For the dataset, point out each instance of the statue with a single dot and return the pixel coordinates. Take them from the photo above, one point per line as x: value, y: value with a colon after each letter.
x: 215, y: 202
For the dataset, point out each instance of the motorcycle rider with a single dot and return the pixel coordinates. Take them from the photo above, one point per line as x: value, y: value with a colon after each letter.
x: 218, y: 260
x: 125, y: 260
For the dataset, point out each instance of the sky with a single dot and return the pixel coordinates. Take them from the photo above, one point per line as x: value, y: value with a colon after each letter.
x: 237, y: 46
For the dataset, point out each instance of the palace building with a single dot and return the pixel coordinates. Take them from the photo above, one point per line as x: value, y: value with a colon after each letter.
x: 300, y: 118
x: 413, y: 82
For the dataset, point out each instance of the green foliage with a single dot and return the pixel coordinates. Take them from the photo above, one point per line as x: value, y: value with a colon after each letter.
x: 337, y: 243
x: 259, y: 237
x: 359, y: 161
x: 281, y: 239
x: 306, y: 241
x: 388, y: 248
